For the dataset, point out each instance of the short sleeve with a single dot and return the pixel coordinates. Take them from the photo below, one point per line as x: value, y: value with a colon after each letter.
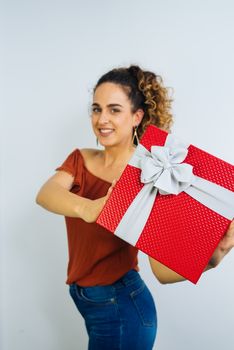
x: 74, y: 165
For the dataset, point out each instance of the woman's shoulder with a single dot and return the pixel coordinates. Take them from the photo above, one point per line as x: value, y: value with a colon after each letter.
x: 89, y: 153
x: 91, y: 156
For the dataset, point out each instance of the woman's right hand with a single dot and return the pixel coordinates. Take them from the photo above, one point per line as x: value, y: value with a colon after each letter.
x: 94, y: 207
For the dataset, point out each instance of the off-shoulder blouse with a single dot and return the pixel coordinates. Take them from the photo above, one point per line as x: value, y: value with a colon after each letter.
x: 96, y: 256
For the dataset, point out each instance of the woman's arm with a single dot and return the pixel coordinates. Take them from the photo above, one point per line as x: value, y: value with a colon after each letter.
x: 166, y: 275
x: 163, y: 274
x: 54, y: 196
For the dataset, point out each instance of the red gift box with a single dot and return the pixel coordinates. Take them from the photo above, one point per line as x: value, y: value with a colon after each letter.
x: 180, y: 232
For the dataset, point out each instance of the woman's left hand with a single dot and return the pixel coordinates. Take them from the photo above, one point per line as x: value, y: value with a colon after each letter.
x: 224, y: 246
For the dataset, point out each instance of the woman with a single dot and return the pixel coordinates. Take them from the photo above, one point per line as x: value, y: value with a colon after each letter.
x: 117, y: 307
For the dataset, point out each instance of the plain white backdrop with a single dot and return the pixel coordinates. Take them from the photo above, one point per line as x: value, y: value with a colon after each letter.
x: 53, y: 53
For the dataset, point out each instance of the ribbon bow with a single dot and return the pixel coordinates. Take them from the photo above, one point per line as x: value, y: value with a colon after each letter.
x: 162, y: 167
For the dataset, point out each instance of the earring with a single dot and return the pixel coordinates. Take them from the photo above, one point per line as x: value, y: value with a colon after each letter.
x: 135, y: 139
x: 97, y: 141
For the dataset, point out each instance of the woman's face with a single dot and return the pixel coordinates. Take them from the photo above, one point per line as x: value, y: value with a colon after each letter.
x: 112, y: 118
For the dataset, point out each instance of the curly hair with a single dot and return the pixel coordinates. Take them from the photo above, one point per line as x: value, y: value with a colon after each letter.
x: 146, y: 91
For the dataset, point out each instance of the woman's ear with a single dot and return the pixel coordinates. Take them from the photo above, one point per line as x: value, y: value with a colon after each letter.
x: 138, y: 116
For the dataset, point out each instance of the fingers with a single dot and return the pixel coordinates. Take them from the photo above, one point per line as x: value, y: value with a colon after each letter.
x: 110, y: 190
x: 230, y: 231
x: 112, y: 185
x: 227, y: 242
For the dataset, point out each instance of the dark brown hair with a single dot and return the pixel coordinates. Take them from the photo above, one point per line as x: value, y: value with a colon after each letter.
x: 146, y: 91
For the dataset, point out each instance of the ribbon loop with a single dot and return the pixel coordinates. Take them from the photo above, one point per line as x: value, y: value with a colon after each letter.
x: 162, y: 167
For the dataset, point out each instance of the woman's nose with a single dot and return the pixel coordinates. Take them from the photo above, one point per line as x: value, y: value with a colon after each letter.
x: 103, y: 117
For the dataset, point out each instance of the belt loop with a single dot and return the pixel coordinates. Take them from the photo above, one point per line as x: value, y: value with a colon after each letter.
x: 128, y: 277
x: 124, y: 280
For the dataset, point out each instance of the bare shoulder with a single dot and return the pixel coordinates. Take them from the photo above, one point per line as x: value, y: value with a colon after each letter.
x: 90, y: 154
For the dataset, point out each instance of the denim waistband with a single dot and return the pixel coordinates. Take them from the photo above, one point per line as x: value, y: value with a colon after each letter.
x: 129, y: 278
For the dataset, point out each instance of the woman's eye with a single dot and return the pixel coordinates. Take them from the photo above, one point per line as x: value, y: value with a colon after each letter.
x: 96, y: 110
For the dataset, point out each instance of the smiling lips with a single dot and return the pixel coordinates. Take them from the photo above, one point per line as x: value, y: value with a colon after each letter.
x: 106, y: 132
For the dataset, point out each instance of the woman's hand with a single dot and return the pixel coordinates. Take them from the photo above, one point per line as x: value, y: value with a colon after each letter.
x: 94, y: 207
x: 224, y: 246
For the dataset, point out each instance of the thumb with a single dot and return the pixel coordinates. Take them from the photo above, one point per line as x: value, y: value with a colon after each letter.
x: 113, y: 183
x: 110, y: 189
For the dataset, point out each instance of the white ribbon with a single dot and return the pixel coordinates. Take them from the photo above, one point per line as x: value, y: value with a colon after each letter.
x: 163, y: 167
x: 162, y: 171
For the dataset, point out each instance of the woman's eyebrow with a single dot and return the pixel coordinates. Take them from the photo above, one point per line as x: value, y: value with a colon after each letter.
x: 109, y: 105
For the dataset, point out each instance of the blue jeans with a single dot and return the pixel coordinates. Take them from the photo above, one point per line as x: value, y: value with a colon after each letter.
x: 119, y: 316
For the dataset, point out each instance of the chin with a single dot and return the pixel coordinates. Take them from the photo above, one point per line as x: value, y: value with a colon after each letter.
x: 107, y: 144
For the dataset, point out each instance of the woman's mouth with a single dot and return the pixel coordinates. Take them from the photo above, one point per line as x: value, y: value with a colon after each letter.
x: 106, y: 131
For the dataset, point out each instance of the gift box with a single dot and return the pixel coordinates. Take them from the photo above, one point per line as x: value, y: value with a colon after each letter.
x: 173, y: 201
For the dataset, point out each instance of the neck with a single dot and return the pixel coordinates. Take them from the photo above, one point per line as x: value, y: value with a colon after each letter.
x: 117, y: 155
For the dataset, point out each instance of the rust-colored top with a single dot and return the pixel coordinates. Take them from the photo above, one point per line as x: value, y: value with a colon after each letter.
x: 96, y: 256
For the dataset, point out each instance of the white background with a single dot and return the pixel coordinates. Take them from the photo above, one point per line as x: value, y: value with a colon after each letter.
x: 54, y: 51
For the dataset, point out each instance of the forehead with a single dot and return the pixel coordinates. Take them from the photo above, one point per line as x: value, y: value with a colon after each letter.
x: 110, y: 93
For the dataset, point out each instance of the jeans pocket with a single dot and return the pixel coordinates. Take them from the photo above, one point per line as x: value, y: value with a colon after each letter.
x: 97, y: 295
x: 144, y: 304
x: 97, y: 305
